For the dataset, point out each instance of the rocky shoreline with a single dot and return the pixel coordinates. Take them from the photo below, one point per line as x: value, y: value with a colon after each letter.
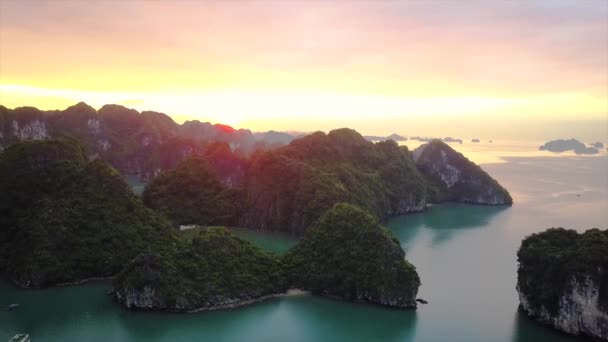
x: 19, y: 284
x: 578, y: 312
x: 242, y: 303
x: 84, y: 281
x: 562, y: 280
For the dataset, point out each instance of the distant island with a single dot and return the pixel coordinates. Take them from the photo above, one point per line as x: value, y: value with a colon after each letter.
x: 475, y: 140
x: 561, y: 145
x: 446, y: 139
x: 454, y: 140
x: 394, y: 137
x: 273, y: 138
x: 68, y: 216
x: 563, y: 280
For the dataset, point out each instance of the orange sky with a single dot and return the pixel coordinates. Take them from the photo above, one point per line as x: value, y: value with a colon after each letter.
x: 377, y: 66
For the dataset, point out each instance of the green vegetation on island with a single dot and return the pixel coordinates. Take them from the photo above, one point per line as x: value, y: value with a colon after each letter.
x: 282, y: 187
x: 288, y: 189
x: 192, y: 193
x: 137, y: 144
x: 347, y: 254
x: 563, y: 280
x: 64, y: 218
x: 211, y: 270
x: 549, y: 261
x: 66, y: 215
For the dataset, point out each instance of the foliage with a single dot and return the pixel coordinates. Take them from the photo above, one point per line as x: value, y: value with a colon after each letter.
x: 289, y: 188
x: 64, y: 218
x: 548, y: 261
x: 193, y: 194
x: 213, y: 268
x: 349, y: 255
x: 346, y: 254
x: 137, y: 144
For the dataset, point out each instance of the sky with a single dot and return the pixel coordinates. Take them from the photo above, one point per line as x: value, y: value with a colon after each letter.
x: 470, y: 68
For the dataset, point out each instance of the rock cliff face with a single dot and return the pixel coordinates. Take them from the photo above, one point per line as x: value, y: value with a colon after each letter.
x: 139, y: 144
x: 456, y: 178
x: 563, y: 280
x: 578, y: 313
x: 289, y: 188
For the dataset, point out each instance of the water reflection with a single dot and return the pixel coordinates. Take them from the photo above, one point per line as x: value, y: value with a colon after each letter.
x: 295, y: 319
x: 86, y: 313
x: 318, y: 318
x: 53, y: 311
x: 444, y: 221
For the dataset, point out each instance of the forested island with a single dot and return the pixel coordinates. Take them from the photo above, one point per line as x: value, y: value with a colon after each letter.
x: 65, y: 218
x: 213, y: 270
x: 67, y: 214
x: 347, y: 254
x: 288, y: 188
x: 563, y: 280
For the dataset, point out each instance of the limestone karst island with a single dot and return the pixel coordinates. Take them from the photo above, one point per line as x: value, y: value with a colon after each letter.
x: 306, y: 171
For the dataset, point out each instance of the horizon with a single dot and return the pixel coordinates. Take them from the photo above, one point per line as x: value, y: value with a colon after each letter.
x: 295, y: 132
x: 303, y: 170
x: 533, y: 71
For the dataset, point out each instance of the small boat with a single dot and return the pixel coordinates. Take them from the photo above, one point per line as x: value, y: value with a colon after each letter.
x: 12, y: 307
x: 20, y: 338
x: 421, y: 301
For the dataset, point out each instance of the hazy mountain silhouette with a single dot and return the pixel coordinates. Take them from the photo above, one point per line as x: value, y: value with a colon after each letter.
x: 140, y: 144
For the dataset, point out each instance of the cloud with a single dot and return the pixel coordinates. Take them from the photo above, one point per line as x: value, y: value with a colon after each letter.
x: 492, y: 49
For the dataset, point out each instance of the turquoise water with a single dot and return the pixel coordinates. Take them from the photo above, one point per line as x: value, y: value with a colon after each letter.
x: 465, y: 255
x: 276, y: 242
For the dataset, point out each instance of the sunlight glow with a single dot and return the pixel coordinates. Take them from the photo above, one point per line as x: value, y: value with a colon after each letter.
x: 235, y: 108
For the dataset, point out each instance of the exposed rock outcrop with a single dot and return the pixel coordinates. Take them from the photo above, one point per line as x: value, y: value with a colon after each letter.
x: 578, y: 312
x: 563, y: 280
x: 456, y: 178
x: 137, y: 144
x: 289, y: 188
